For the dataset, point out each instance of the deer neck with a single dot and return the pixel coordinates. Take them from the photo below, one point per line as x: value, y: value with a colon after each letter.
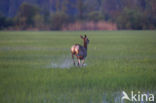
x: 85, y: 45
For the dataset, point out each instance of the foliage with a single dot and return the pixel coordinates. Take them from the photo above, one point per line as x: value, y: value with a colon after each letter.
x: 130, y: 19
x: 5, y: 22
x: 38, y: 21
x: 127, y: 14
x: 95, y: 16
x: 58, y: 19
x: 26, y: 14
x: 135, y: 19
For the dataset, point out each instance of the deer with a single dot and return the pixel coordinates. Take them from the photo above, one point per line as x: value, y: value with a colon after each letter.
x: 80, y: 51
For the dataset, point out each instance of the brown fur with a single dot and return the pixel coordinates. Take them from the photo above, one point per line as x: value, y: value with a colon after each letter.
x: 80, y: 51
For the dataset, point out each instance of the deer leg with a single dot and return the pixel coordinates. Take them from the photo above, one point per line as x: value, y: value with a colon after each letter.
x: 83, y: 61
x: 73, y: 59
x: 79, y: 62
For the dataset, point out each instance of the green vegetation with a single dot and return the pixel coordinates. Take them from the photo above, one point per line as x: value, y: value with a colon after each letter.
x: 55, y: 14
x: 117, y: 60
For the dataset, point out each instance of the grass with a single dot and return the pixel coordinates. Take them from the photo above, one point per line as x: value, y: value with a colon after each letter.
x: 117, y: 61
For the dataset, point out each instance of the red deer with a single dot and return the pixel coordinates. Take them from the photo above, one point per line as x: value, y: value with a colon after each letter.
x: 80, y: 51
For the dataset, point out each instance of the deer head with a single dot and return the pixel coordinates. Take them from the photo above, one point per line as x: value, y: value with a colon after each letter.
x: 85, y: 40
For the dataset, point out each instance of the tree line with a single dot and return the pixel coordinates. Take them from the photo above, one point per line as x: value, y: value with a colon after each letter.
x: 54, y: 14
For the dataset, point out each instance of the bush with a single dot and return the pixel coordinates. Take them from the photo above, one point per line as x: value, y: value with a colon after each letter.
x: 5, y: 22
x: 58, y: 19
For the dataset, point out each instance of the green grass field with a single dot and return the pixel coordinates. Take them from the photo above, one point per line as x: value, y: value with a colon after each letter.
x: 34, y: 66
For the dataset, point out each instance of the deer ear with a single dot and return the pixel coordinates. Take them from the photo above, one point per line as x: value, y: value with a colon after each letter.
x: 81, y: 36
x: 85, y: 35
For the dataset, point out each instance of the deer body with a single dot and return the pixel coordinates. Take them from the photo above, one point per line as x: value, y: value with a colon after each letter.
x: 80, y: 51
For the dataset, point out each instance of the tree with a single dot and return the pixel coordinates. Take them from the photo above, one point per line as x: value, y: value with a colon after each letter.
x: 38, y: 21
x: 58, y: 19
x: 26, y: 14
x: 80, y: 9
x: 112, y: 8
x: 95, y: 16
x: 130, y: 19
x: 5, y: 22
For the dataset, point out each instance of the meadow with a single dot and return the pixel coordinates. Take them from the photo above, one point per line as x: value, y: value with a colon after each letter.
x: 36, y: 67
